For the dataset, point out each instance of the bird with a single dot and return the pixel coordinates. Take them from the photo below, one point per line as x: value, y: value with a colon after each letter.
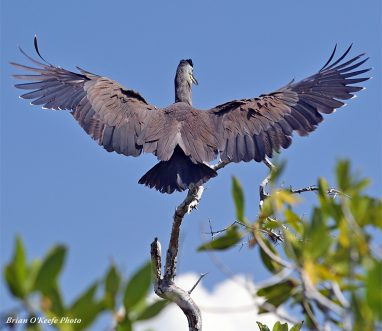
x: 183, y: 138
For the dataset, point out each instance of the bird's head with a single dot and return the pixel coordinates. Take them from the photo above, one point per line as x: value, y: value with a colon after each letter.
x: 186, y: 71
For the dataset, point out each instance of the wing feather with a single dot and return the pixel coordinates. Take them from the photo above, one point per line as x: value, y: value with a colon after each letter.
x: 270, y: 119
x: 112, y: 115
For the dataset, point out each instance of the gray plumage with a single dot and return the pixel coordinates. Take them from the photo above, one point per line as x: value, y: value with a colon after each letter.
x: 182, y: 137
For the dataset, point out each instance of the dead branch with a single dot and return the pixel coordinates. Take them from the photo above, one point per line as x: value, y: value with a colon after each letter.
x: 264, y: 183
x: 333, y: 192
x: 165, y: 286
x: 221, y: 164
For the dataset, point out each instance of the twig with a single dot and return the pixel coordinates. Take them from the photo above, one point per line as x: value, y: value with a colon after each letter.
x: 313, y: 294
x: 197, y: 282
x: 272, y: 309
x: 309, y: 312
x: 214, y: 232
x: 164, y: 286
x: 339, y: 295
x: 331, y: 191
x: 267, y: 251
x: 221, y: 164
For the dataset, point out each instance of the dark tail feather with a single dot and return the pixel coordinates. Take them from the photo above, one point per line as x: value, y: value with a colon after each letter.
x: 178, y: 173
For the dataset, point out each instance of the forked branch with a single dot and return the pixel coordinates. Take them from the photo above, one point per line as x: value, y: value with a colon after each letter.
x: 165, y: 286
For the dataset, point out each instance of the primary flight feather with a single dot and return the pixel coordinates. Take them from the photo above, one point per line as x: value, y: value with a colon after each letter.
x: 183, y: 138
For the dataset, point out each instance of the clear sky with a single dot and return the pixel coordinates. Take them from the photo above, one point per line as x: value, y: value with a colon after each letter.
x: 59, y: 186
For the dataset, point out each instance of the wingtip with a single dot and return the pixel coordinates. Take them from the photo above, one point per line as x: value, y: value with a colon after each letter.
x: 20, y: 49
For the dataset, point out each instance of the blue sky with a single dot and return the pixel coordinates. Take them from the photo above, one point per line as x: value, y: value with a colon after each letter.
x: 59, y: 186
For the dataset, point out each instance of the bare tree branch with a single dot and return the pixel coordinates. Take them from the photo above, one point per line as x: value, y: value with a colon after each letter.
x: 331, y: 191
x: 271, y: 255
x: 197, y: 282
x: 165, y: 286
x: 264, y: 183
x: 221, y: 164
x: 311, y: 316
x: 313, y: 294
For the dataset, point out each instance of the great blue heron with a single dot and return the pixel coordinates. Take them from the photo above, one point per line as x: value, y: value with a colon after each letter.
x: 182, y: 137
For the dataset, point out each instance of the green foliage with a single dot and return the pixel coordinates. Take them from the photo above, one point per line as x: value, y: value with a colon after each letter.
x: 230, y: 237
x: 374, y: 289
x: 152, y: 310
x: 238, y: 198
x: 15, y: 273
x: 280, y: 327
x: 325, y: 255
x: 50, y: 268
x: 138, y: 287
x: 269, y: 263
x: 112, y: 285
x: 262, y: 327
x: 276, y: 294
x: 41, y: 277
x: 328, y: 254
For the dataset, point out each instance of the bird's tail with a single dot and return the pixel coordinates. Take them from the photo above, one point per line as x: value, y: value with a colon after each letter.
x: 178, y: 173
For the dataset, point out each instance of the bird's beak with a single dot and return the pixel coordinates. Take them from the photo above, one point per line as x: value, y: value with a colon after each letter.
x: 193, y: 79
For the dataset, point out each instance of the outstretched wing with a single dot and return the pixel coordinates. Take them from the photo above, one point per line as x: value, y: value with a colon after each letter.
x: 251, y: 129
x: 109, y: 113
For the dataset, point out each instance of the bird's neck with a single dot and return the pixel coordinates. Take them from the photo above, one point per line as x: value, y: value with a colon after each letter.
x: 183, y: 90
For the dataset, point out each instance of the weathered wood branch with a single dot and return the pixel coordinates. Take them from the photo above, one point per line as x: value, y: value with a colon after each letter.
x: 164, y: 286
x: 263, y: 195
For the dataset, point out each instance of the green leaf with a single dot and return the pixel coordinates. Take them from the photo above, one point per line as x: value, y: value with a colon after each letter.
x: 374, y: 290
x: 262, y: 327
x: 112, y: 284
x: 152, y: 310
x: 51, y: 267
x: 276, y: 294
x: 280, y: 327
x: 19, y: 260
x: 85, y: 307
x: 137, y: 287
x: 125, y: 324
x: 348, y: 182
x: 32, y: 326
x: 52, y: 304
x: 297, y: 326
x: 277, y: 169
x: 32, y: 270
x: 238, y: 198
x: 231, y: 237
x: 15, y: 273
x: 317, y: 236
x: 269, y: 263
x: 294, y: 221
x: 343, y: 175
